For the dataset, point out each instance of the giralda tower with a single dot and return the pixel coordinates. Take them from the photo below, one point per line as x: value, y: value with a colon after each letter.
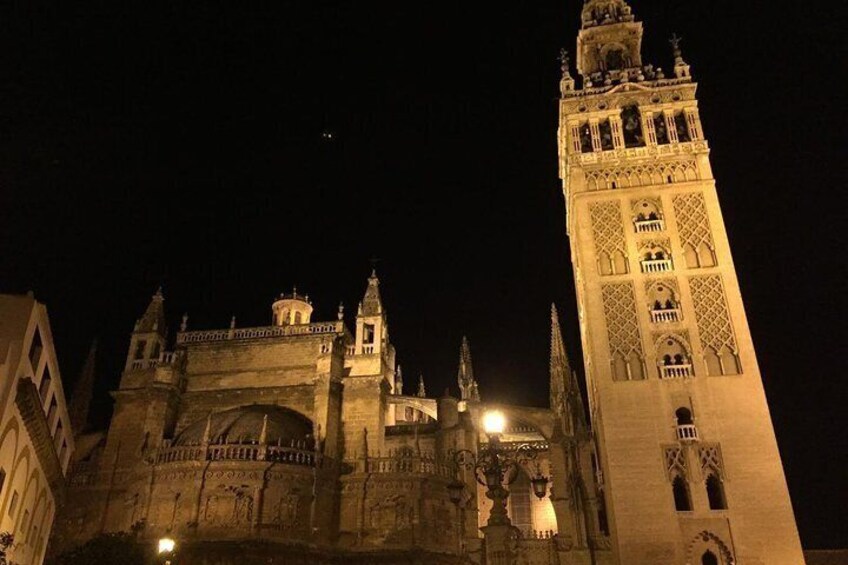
x: 688, y: 462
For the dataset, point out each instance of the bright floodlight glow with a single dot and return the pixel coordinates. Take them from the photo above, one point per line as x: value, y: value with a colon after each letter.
x: 166, y: 545
x: 494, y: 422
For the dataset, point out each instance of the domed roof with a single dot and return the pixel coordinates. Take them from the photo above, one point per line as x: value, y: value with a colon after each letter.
x: 244, y: 425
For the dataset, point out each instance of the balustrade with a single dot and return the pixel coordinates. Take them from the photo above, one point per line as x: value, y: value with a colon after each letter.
x: 424, y: 464
x: 646, y: 226
x: 261, y: 332
x: 675, y: 371
x: 657, y: 266
x: 687, y: 432
x: 237, y: 452
x: 671, y: 315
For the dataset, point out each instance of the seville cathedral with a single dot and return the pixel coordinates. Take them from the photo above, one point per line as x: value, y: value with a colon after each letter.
x: 300, y: 442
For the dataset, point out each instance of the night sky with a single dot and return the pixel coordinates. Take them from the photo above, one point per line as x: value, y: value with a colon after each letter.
x: 183, y: 145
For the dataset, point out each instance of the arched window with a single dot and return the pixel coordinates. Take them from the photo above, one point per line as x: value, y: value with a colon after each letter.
x: 682, y: 502
x: 298, y: 318
x: 709, y: 558
x: 615, y: 59
x: 605, y: 130
x: 661, y: 129
x: 631, y: 121
x: 684, y: 417
x: 586, y: 138
x: 715, y: 493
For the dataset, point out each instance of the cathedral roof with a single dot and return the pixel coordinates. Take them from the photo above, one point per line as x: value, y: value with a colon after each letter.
x: 247, y: 425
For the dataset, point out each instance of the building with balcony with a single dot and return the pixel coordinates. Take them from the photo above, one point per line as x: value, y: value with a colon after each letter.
x: 36, y: 439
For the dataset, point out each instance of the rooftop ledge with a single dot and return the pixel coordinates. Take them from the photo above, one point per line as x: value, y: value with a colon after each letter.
x: 243, y: 334
x: 648, y: 151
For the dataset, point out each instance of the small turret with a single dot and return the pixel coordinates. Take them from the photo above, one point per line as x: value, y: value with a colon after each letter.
x: 398, y: 388
x: 422, y: 392
x: 372, y: 334
x: 148, y: 338
x: 292, y: 309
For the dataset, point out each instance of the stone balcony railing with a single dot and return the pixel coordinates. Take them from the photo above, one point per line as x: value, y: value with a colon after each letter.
x: 648, y: 226
x: 238, y: 452
x: 264, y: 332
x: 407, y: 464
x: 671, y: 315
x: 675, y: 371
x: 164, y: 360
x: 647, y: 152
x: 687, y: 432
x: 657, y: 266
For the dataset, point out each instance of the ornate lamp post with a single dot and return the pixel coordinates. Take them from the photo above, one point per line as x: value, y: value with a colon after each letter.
x: 495, y: 466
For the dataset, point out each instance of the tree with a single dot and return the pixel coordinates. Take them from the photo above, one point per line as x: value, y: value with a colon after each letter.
x: 121, y: 548
x: 6, y: 541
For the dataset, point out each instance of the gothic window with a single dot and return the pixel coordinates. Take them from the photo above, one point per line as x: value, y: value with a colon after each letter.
x: 647, y: 216
x: 614, y: 59
x: 44, y: 386
x: 605, y: 130
x: 631, y: 121
x: 661, y: 129
x: 655, y: 257
x: 674, y: 361
x: 715, y: 493
x: 35, y: 348
x: 368, y: 334
x: 680, y: 124
x: 709, y: 558
x: 680, y: 490
x: 586, y: 138
x: 663, y: 303
x: 139, y: 350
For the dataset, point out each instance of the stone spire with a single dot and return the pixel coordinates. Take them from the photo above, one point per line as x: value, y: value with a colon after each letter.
x: 566, y: 399
x: 560, y: 365
x: 398, y: 381
x: 422, y: 392
x: 465, y: 375
x: 83, y: 392
x: 371, y: 304
x: 153, y: 319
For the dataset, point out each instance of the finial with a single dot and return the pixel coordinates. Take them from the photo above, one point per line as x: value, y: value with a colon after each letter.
x: 232, y: 322
x: 422, y: 392
x: 158, y: 292
x: 565, y: 60
x: 675, y: 44
x: 184, y: 323
x: 341, y: 311
x: 294, y: 291
x: 681, y: 69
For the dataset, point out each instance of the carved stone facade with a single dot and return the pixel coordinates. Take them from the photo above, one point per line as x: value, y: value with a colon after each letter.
x: 297, y: 441
x: 630, y: 139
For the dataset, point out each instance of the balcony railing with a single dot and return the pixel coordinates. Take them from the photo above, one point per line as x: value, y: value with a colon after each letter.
x: 237, y: 452
x: 648, y: 226
x: 675, y: 371
x: 165, y: 359
x: 657, y: 266
x: 403, y: 463
x: 669, y: 316
x: 336, y: 327
x: 647, y: 152
x: 687, y: 432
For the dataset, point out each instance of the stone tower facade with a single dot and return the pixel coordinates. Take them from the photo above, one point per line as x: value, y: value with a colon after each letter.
x: 688, y: 462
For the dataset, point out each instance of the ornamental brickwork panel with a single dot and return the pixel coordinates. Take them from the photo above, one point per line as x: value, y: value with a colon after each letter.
x: 712, y: 314
x: 607, y: 227
x: 693, y: 224
x: 622, y: 321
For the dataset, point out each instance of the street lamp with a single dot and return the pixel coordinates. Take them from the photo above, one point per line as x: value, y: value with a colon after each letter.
x: 166, y: 549
x: 494, y: 466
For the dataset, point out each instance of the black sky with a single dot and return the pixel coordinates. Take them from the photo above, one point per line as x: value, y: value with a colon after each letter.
x: 181, y: 144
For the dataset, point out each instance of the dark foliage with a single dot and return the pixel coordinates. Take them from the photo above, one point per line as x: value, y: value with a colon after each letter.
x: 120, y: 548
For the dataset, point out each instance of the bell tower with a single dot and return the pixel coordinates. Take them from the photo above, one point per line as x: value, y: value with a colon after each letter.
x: 689, y: 467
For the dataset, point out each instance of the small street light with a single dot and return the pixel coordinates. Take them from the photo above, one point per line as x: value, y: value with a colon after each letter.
x: 166, y: 549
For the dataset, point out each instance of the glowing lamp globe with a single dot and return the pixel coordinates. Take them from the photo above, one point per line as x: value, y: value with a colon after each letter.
x: 494, y: 422
x: 166, y: 545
